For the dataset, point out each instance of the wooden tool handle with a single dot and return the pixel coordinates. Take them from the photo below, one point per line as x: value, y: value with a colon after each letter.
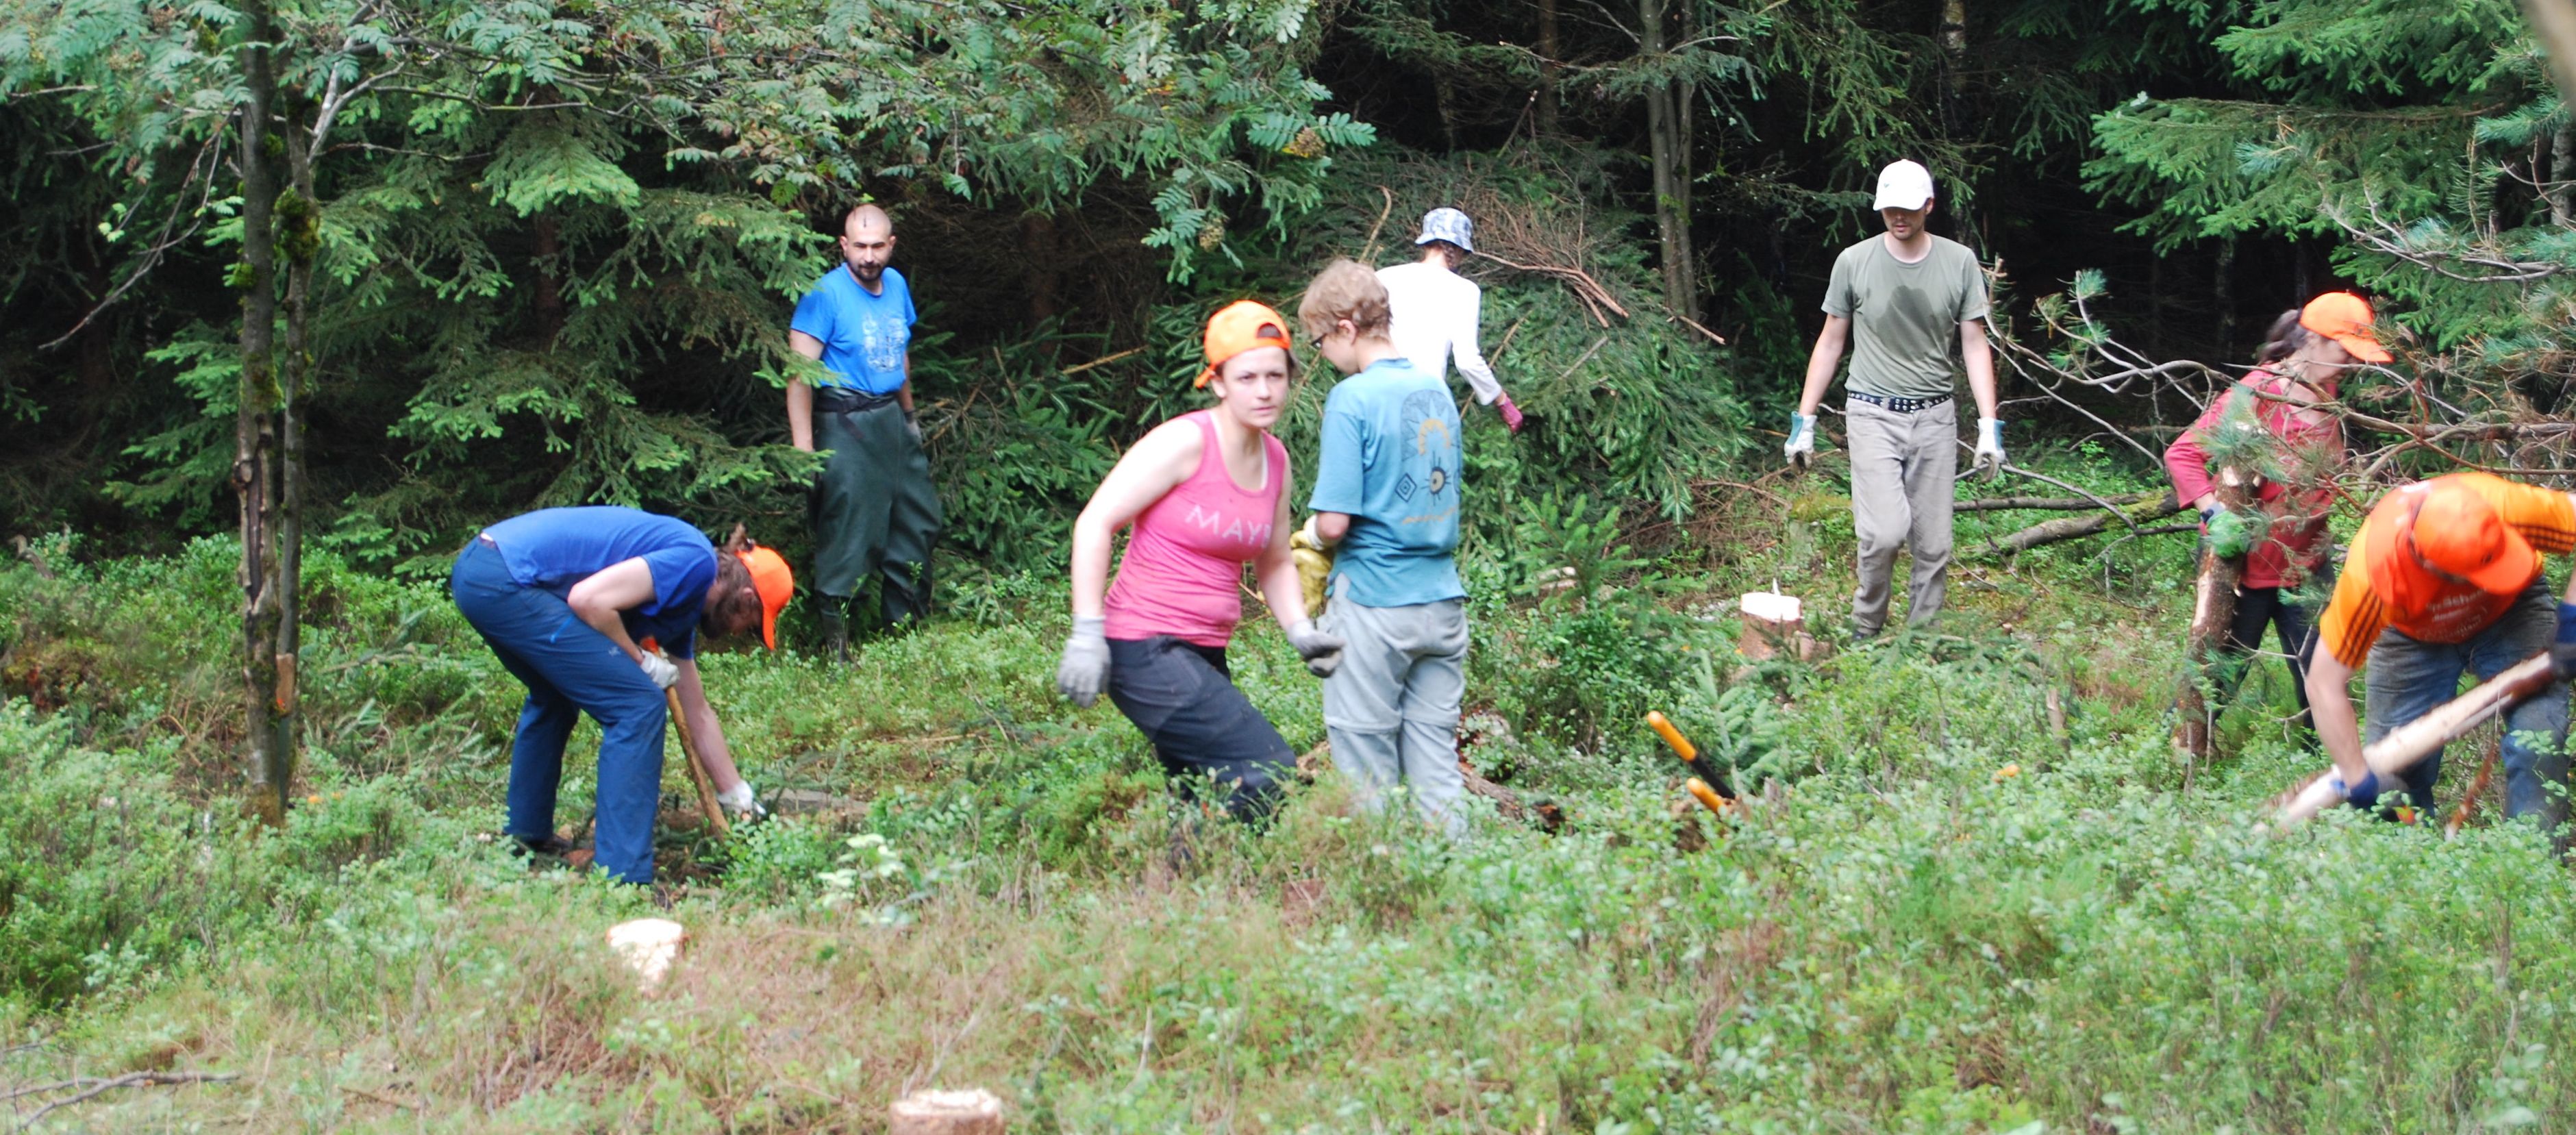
x: 697, y: 768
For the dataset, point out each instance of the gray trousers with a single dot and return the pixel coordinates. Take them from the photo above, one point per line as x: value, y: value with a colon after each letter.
x: 1902, y: 467
x: 1391, y: 711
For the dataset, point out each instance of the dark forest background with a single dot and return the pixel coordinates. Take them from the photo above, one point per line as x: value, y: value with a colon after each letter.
x: 553, y: 250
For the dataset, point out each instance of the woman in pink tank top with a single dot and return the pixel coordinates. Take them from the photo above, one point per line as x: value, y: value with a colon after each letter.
x: 1205, y: 494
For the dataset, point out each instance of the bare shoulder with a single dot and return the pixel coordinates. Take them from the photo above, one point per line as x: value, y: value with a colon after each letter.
x: 1175, y: 445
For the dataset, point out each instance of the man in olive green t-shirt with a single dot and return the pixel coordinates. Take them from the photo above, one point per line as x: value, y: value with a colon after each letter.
x: 1897, y: 299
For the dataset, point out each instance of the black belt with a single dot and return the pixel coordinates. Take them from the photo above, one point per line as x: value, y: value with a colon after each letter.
x: 843, y: 400
x: 1900, y: 405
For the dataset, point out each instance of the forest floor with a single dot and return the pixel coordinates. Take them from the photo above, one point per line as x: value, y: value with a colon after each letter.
x: 1945, y: 914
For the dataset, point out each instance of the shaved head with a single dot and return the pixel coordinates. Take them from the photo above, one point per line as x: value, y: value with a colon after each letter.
x: 867, y: 219
x: 867, y: 243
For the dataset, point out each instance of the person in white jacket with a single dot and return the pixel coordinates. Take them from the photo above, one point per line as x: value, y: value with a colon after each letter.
x: 1437, y: 311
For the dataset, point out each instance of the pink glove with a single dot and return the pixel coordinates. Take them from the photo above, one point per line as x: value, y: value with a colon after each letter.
x: 1511, y: 413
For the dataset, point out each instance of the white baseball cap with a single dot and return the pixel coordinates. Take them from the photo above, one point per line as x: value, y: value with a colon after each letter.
x: 1904, y: 185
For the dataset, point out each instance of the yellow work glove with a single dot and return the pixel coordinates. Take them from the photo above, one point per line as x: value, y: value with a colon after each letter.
x: 1314, y: 566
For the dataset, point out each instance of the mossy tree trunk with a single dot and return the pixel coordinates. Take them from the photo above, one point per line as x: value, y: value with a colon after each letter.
x: 260, y: 462
x: 1668, y: 134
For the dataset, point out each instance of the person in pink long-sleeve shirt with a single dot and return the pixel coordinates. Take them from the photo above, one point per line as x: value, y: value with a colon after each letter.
x: 2299, y: 371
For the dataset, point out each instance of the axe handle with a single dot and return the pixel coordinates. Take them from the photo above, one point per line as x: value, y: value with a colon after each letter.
x: 697, y: 768
x: 1689, y: 753
x: 2409, y: 744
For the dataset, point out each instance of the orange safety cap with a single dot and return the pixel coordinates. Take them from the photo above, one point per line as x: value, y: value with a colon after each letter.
x: 776, y: 585
x: 1243, y: 325
x: 2444, y: 532
x: 2346, y: 319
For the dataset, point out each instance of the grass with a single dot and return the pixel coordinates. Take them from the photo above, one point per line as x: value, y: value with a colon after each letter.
x: 1945, y: 917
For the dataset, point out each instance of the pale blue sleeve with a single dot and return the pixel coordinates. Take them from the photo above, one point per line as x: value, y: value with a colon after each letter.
x: 1341, y: 465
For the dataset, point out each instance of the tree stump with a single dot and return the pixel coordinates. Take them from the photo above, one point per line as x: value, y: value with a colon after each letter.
x: 2213, y: 609
x: 971, y: 1112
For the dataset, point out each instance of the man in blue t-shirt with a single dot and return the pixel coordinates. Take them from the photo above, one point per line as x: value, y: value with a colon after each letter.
x: 1386, y: 496
x: 873, y: 508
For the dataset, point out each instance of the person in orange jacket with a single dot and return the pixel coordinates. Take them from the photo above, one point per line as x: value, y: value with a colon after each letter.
x: 2444, y: 577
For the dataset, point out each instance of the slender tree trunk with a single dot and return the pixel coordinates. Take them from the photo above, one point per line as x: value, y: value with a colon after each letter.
x: 2562, y: 174
x: 1550, y: 51
x: 258, y: 479
x: 2222, y: 291
x: 299, y: 234
x: 1954, y: 59
x: 549, y: 297
x: 1041, y: 265
x: 2213, y: 610
x: 1667, y: 134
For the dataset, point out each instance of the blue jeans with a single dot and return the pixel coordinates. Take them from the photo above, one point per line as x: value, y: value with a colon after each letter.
x: 2408, y: 678
x: 569, y: 669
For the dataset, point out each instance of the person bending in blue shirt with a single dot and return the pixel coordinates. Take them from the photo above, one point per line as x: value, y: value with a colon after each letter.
x: 563, y: 596
x: 873, y: 508
x: 1386, y: 495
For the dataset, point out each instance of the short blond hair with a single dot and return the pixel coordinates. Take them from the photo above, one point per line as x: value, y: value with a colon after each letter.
x: 1345, y: 289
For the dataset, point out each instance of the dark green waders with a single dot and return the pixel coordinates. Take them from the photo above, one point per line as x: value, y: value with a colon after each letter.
x: 873, y: 510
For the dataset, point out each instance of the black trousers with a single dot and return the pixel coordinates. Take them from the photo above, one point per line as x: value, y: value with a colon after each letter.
x: 2256, y: 607
x: 1183, y: 699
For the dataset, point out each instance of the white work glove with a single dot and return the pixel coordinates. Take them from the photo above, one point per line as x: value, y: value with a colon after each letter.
x: 740, y: 800
x: 1990, y: 447
x: 1802, y: 439
x: 1084, y: 672
x: 1322, y: 652
x: 663, y: 671
x: 912, y: 425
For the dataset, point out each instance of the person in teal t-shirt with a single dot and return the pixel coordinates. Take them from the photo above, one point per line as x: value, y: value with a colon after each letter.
x: 1386, y: 497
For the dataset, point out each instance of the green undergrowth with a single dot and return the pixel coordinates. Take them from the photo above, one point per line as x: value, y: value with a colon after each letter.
x: 1947, y: 910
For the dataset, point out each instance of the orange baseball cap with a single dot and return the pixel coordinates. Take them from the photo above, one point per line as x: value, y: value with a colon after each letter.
x: 1243, y: 325
x: 2346, y: 319
x: 776, y: 585
x: 2442, y: 531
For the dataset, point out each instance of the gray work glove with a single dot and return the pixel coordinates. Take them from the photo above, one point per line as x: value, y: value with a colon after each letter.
x: 740, y: 801
x: 1084, y: 672
x: 664, y: 672
x: 1322, y: 652
x: 912, y: 425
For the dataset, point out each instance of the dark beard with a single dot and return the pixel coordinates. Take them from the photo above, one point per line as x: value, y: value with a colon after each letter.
x: 868, y: 275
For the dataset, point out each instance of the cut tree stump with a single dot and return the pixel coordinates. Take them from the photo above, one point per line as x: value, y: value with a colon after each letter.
x: 971, y: 1112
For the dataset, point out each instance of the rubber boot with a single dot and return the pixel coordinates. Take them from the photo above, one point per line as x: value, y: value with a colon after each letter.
x: 905, y: 597
x: 830, y: 615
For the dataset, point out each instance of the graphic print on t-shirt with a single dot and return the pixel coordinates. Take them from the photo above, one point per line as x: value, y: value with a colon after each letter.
x: 1246, y: 535
x: 1429, y: 483
x: 882, y: 339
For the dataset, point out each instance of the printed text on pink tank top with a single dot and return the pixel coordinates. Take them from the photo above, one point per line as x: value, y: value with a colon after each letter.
x: 1253, y: 535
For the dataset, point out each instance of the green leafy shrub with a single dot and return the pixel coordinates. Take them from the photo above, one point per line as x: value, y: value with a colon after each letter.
x: 109, y: 880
